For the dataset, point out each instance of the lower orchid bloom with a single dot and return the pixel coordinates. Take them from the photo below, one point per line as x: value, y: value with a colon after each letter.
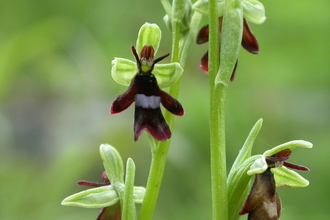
x: 263, y: 203
x: 144, y: 90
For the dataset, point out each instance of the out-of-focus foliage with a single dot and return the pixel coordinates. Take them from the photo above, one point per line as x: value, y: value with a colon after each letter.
x: 56, y: 89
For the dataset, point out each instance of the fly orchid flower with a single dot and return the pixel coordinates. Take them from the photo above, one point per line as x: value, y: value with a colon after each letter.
x: 252, y: 10
x: 263, y: 203
x: 147, y: 95
x: 145, y: 78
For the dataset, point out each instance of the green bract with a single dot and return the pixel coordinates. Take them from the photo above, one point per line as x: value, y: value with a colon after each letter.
x: 123, y: 70
x: 253, y: 10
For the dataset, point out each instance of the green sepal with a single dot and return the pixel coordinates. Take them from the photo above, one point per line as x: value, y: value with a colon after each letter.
x: 128, y: 207
x: 254, y: 11
x: 167, y: 74
x: 123, y: 71
x: 286, y: 177
x: 288, y: 145
x: 149, y: 34
x: 98, y: 197
x: 202, y: 6
x: 113, y: 164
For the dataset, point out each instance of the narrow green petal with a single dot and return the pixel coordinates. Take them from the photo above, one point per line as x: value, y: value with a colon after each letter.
x: 99, y: 197
x: 287, y: 177
x: 254, y: 11
x: 113, y: 164
x: 123, y: 71
x: 288, y: 145
x: 167, y: 74
x: 149, y: 34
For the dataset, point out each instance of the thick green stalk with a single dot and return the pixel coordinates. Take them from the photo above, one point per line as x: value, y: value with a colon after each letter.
x: 217, y: 122
x: 160, y: 149
x: 219, y: 79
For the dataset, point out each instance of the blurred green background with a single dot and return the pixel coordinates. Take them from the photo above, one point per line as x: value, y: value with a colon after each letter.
x: 56, y: 89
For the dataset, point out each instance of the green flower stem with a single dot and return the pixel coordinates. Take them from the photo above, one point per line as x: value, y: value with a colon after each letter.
x: 217, y: 122
x: 219, y: 78
x: 160, y: 149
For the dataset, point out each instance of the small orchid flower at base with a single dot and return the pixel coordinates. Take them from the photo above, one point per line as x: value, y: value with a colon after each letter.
x: 271, y: 169
x: 144, y: 88
x: 108, y: 195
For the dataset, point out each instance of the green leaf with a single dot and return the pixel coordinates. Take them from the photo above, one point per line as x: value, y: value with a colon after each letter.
x: 149, y: 34
x: 113, y: 164
x: 287, y: 177
x: 123, y: 71
x: 167, y: 74
x: 99, y: 197
x: 254, y: 11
